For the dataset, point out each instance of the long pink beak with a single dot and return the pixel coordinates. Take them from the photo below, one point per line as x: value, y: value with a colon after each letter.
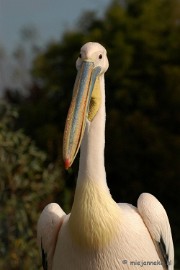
x: 76, y: 118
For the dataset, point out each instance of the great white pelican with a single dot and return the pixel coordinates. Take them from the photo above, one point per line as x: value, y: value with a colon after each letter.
x: 99, y: 234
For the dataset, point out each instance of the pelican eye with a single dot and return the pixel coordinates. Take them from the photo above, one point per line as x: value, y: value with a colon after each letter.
x: 100, y: 56
x: 80, y: 55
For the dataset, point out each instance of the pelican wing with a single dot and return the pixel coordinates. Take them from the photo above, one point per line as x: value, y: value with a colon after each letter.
x: 48, y: 227
x: 156, y: 220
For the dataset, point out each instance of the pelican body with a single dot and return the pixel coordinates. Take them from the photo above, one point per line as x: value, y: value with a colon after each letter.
x: 99, y: 234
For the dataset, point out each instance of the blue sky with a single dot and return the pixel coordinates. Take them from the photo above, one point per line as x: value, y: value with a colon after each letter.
x: 50, y: 17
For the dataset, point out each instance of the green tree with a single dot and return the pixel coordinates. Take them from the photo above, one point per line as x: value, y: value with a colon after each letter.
x: 27, y: 184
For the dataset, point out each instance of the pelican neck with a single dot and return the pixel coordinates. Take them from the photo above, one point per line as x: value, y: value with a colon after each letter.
x: 91, y: 166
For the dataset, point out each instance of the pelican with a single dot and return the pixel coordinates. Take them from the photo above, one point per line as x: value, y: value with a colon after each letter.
x: 99, y: 234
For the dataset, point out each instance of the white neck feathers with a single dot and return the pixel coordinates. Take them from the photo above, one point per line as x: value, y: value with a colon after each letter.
x: 92, y: 148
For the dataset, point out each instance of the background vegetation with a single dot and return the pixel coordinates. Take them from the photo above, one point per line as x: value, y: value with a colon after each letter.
x: 142, y: 127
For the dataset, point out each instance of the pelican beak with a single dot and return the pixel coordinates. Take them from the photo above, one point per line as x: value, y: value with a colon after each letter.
x: 78, y: 111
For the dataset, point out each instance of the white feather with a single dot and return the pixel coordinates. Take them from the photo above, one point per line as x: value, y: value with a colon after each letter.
x: 157, y: 222
x: 48, y: 227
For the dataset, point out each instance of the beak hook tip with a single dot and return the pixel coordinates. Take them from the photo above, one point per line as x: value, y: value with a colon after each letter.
x: 67, y: 163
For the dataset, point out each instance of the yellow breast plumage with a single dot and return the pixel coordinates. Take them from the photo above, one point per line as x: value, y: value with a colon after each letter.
x: 94, y: 217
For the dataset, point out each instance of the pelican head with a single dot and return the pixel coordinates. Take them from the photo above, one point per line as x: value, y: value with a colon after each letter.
x: 91, y: 64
